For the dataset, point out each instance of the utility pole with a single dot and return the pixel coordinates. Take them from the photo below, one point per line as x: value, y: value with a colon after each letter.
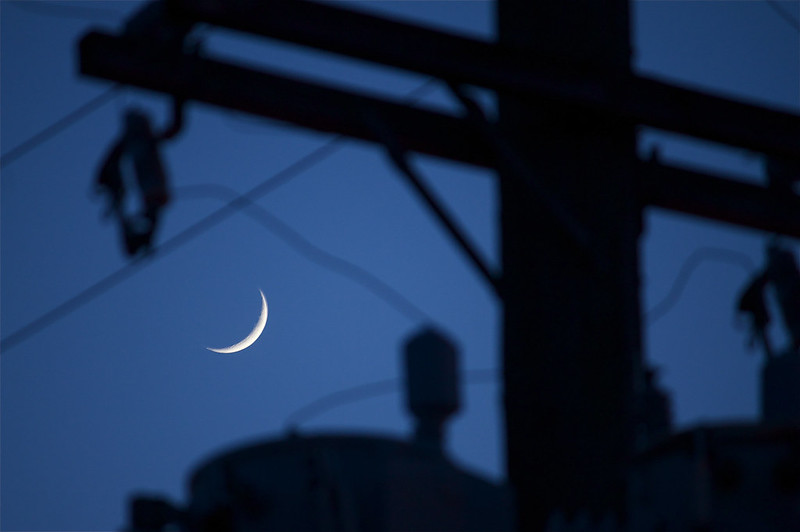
x: 572, y: 188
x: 571, y: 352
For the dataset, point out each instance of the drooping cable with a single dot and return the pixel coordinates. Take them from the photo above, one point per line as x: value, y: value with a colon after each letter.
x: 311, y: 252
x: 369, y: 390
x: 185, y: 236
x: 188, y: 234
x: 388, y: 386
x: 58, y: 126
x: 698, y: 257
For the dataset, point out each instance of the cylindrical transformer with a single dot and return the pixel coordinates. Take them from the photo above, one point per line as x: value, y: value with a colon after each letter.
x: 432, y: 387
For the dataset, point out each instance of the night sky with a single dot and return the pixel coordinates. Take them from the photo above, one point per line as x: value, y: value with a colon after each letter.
x: 119, y: 395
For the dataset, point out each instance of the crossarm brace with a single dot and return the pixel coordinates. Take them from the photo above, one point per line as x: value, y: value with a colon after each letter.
x: 400, y: 159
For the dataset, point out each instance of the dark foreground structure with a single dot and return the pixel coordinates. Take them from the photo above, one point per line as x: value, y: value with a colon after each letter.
x: 346, y: 482
x: 573, y: 190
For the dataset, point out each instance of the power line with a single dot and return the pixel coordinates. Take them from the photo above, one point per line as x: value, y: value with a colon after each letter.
x: 384, y: 387
x: 784, y: 14
x: 698, y: 256
x: 369, y: 390
x: 185, y: 236
x: 59, y: 125
x: 194, y: 230
x: 313, y: 253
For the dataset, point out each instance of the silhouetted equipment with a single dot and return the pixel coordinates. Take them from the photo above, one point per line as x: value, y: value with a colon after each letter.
x: 782, y: 274
x: 753, y: 303
x: 152, y: 514
x: 655, y: 415
x: 780, y: 373
x: 731, y: 477
x: 780, y: 389
x: 140, y: 144
x: 565, y: 140
x: 462, y: 60
x: 785, y: 277
x: 158, y: 26
x: 431, y: 372
x: 514, y: 167
x: 345, y: 482
x: 399, y: 157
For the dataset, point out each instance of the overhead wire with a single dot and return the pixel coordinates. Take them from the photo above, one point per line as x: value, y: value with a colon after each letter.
x: 656, y: 312
x: 201, y: 226
x: 374, y: 389
x: 311, y: 252
x: 295, y: 240
x: 172, y: 244
x: 59, y: 125
x: 698, y: 257
x: 61, y: 10
x: 299, y: 243
x: 43, y: 7
x: 365, y: 391
x: 652, y: 315
x: 665, y: 305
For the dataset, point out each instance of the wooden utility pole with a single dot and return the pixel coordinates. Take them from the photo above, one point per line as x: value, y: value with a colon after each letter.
x: 571, y: 351
x: 572, y: 188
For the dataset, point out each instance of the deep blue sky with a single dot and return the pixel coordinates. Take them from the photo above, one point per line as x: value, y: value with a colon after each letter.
x: 121, y: 396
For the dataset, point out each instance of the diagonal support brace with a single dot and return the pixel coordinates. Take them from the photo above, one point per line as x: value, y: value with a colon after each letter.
x: 539, y: 193
x: 400, y: 159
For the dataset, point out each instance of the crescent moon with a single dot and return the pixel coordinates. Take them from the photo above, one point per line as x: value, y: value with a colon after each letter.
x: 254, y: 334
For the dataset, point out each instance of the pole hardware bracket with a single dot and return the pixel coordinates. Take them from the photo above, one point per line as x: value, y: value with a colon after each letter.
x: 508, y: 159
x: 399, y: 157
